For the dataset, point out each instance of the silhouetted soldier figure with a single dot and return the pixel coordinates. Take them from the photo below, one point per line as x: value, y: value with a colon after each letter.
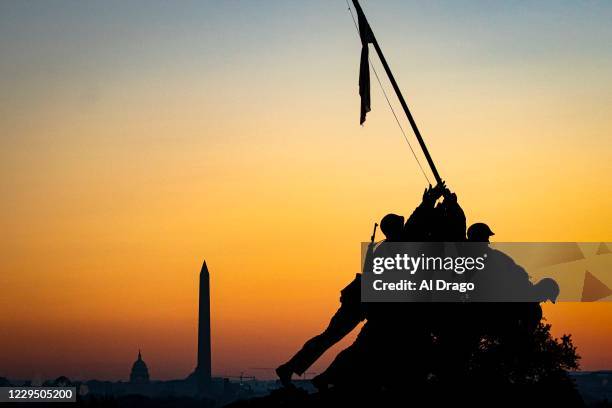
x: 518, y: 311
x: 504, y: 280
x: 367, y: 363
x: 459, y: 325
x: 348, y: 316
x: 450, y: 324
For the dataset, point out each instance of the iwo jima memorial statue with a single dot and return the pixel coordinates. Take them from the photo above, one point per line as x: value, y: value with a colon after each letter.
x: 434, y: 352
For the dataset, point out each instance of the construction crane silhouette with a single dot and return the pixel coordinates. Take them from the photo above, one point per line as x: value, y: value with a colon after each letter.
x: 241, y: 377
x: 303, y: 376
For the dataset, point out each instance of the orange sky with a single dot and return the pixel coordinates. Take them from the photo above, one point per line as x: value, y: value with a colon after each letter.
x: 129, y: 152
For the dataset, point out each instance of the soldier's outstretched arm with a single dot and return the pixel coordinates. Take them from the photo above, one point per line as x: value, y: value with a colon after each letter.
x: 419, y: 220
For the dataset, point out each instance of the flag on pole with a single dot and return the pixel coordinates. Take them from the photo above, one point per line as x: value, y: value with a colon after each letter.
x: 364, y: 68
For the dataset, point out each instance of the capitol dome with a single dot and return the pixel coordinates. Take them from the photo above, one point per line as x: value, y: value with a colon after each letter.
x: 140, y: 372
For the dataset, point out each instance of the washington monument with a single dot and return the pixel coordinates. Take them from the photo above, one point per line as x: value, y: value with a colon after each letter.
x: 202, y: 372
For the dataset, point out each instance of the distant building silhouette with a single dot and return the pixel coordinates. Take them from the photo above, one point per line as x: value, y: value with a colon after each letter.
x: 208, y: 391
x: 202, y: 373
x: 140, y: 372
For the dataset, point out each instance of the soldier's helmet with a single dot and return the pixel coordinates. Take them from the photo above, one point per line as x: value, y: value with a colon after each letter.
x: 479, y: 232
x: 392, y: 225
x: 547, y: 289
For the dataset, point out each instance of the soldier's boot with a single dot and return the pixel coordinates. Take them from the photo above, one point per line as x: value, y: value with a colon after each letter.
x: 284, y: 373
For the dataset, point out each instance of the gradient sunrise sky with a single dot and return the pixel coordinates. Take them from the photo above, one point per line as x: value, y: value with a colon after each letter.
x: 138, y: 138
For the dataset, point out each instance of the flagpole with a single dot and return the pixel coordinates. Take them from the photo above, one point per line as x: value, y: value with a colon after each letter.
x: 417, y: 133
